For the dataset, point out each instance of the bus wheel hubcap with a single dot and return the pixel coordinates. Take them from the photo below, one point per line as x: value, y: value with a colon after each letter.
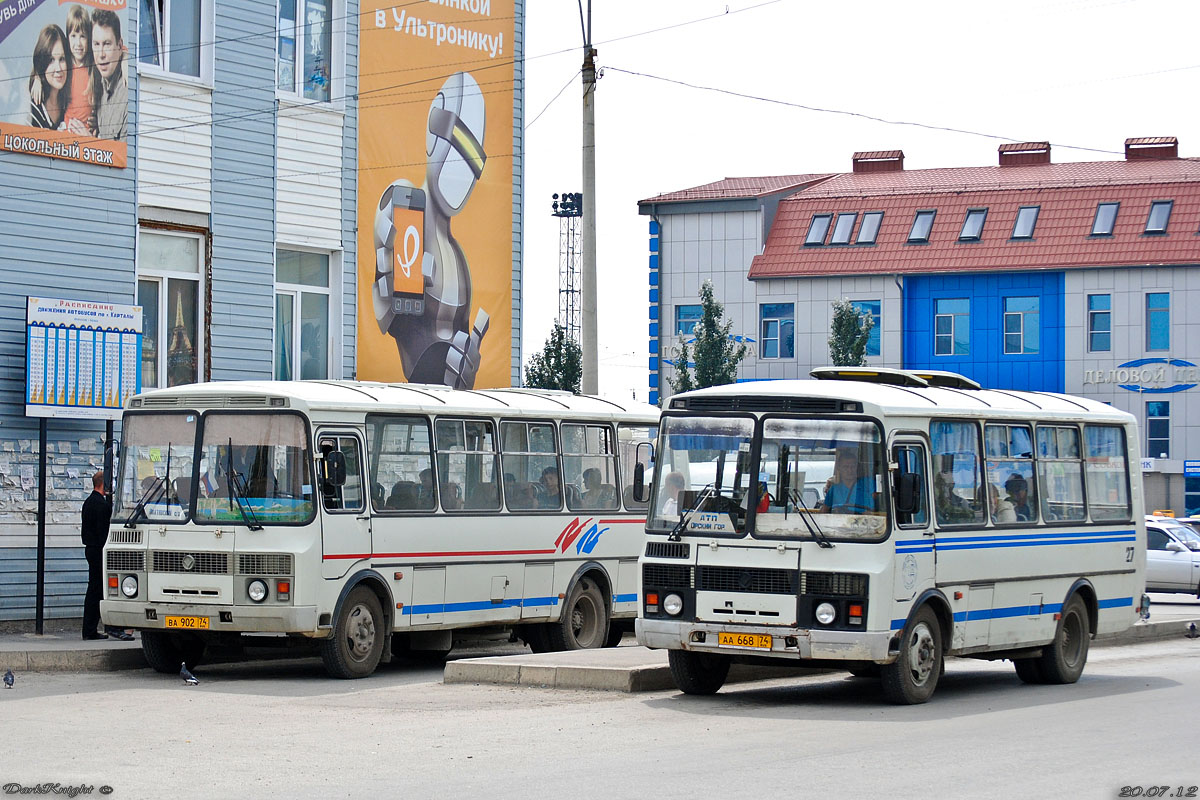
x: 361, y: 633
x: 921, y: 654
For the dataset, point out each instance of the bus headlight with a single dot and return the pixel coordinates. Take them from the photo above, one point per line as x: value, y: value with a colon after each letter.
x: 129, y: 586
x: 673, y: 604
x: 826, y: 613
x: 257, y: 590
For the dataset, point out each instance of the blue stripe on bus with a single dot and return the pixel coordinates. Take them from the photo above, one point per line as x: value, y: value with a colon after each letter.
x: 1038, y: 535
x: 478, y: 605
x: 625, y: 598
x: 1027, y: 543
x: 1019, y: 611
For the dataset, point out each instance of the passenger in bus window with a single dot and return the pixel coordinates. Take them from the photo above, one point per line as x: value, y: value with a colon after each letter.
x: 1018, y: 494
x: 951, y: 506
x: 1002, y: 509
x: 550, y: 491
x: 597, y: 494
x: 452, y: 497
x: 425, y: 496
x: 850, y: 491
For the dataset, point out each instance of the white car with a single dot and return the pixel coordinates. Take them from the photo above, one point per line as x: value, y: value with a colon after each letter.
x: 1172, y: 557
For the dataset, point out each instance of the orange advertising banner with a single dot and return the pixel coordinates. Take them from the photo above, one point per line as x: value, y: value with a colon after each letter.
x: 63, y: 87
x: 435, y: 192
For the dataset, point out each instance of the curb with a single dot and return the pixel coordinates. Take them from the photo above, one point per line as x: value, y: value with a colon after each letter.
x: 73, y: 660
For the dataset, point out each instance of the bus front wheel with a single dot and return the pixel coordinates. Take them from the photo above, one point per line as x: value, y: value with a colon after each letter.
x: 1063, y: 659
x: 698, y: 673
x: 165, y: 652
x: 913, y: 676
x: 584, y: 620
x: 356, y: 646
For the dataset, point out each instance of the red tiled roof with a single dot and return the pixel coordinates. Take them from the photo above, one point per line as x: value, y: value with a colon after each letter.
x: 738, y: 188
x: 1067, y: 194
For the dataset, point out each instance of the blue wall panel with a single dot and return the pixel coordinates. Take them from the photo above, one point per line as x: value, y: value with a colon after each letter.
x: 986, y: 361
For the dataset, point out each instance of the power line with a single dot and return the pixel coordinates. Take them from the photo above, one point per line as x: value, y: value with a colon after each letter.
x: 856, y: 114
x: 570, y: 80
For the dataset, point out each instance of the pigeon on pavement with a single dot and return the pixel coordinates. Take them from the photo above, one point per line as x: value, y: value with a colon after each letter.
x: 8, y: 679
x: 188, y: 678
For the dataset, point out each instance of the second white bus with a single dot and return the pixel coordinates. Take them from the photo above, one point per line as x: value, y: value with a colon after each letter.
x: 881, y: 520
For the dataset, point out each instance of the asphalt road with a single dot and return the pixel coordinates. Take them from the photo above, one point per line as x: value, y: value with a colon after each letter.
x: 282, y: 729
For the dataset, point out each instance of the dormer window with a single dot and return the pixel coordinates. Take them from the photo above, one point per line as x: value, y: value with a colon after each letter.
x: 817, y: 230
x: 1026, y: 221
x: 1160, y: 215
x: 1106, y: 219
x: 972, y: 228
x: 922, y: 224
x: 842, y: 229
x: 869, y: 228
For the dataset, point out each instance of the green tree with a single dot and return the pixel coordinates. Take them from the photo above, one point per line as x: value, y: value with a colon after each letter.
x: 715, y: 353
x: 558, y: 366
x: 848, y: 335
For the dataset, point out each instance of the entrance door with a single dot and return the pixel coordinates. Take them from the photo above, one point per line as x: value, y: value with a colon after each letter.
x: 913, y: 536
x: 345, y: 520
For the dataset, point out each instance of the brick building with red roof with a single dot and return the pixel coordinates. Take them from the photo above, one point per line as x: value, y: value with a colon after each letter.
x: 1062, y: 277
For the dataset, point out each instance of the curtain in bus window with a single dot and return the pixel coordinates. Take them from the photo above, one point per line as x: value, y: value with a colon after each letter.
x: 1107, y: 472
x: 1012, y: 492
x: 401, y: 464
x: 528, y: 457
x: 467, y: 465
x: 589, y: 467
x: 1060, y: 473
x: 956, y: 482
x: 157, y: 466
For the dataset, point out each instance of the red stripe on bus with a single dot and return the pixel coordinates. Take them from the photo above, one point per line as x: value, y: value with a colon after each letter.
x: 626, y: 521
x: 433, y: 555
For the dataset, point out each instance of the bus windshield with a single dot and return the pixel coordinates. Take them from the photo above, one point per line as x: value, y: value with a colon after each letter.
x: 156, y: 468
x: 704, y: 465
x: 254, y: 468
x: 832, y: 467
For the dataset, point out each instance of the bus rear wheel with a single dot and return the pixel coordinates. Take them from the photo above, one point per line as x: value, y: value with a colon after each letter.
x: 1063, y: 659
x: 913, y: 676
x: 584, y: 621
x: 356, y: 646
x: 698, y: 673
x: 1028, y: 670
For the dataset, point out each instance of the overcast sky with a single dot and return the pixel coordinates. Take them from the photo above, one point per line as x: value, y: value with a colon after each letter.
x: 1085, y: 73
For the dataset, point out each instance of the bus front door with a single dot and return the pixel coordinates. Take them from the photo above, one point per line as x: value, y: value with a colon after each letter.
x: 345, y: 521
x: 913, y: 535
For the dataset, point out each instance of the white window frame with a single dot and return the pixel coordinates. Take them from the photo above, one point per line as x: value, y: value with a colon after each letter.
x: 333, y: 338
x: 337, y: 63
x: 207, y: 28
x: 161, y: 276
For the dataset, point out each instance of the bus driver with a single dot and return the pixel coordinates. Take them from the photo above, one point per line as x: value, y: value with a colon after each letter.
x: 849, y: 491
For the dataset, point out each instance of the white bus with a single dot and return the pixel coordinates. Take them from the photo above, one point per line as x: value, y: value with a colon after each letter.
x: 948, y: 520
x: 374, y: 518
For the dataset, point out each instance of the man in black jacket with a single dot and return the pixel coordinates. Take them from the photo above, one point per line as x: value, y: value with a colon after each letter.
x: 97, y: 511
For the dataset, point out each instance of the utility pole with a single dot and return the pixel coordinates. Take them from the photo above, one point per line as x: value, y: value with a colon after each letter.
x: 590, y: 383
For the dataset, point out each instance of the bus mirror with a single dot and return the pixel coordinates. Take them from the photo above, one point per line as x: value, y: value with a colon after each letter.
x: 908, y: 493
x: 333, y: 468
x: 639, y: 482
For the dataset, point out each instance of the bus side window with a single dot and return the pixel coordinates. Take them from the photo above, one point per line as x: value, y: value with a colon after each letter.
x: 911, y: 461
x: 349, y: 496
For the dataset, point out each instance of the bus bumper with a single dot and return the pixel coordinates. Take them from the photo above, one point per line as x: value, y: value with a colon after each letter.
x: 244, y: 619
x: 805, y: 643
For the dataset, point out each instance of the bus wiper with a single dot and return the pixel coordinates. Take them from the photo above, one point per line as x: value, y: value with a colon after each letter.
x: 807, y: 518
x: 686, y: 516
x: 238, y: 490
x: 139, y: 510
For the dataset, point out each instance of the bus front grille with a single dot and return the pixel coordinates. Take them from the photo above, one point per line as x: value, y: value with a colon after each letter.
x: 264, y: 564
x: 833, y: 583
x: 746, y: 579
x: 193, y: 563
x: 667, y: 576
x: 126, y: 560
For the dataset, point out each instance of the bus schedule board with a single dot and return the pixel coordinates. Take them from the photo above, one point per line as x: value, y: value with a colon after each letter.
x: 82, y: 359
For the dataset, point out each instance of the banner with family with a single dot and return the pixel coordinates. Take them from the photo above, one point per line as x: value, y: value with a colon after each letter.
x: 64, y: 89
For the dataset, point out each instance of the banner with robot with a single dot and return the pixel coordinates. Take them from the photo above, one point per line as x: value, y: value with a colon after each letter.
x: 435, y: 178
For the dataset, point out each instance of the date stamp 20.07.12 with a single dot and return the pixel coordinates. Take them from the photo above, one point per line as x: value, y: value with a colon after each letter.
x: 1159, y: 791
